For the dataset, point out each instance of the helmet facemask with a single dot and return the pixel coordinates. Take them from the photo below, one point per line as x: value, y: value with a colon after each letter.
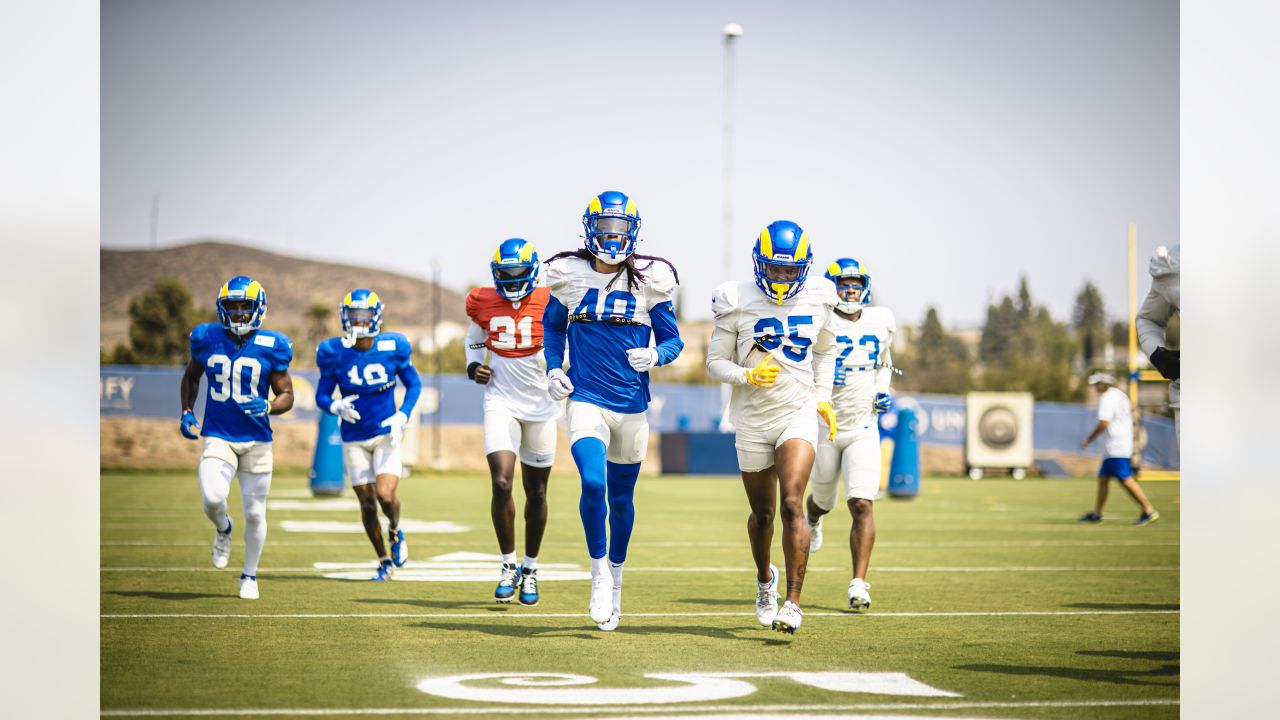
x: 240, y: 315
x: 514, y: 282
x: 844, y: 289
x: 359, y: 322
x: 611, y: 238
x: 780, y: 279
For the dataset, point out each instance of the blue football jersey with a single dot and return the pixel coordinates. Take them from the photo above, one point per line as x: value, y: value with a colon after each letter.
x: 235, y: 372
x: 371, y: 374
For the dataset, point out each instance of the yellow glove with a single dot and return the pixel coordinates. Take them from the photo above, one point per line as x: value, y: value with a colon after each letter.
x: 765, y: 373
x: 828, y: 414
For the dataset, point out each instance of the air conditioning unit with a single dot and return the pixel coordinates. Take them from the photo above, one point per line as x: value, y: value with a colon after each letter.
x: 998, y: 433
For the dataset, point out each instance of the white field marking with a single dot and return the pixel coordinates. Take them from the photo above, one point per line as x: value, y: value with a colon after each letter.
x: 357, y: 528
x: 526, y: 616
x: 577, y: 546
x: 318, y: 504
x: 450, y: 567
x: 540, y: 688
x: 292, y: 493
x: 463, y: 566
x: 648, y: 711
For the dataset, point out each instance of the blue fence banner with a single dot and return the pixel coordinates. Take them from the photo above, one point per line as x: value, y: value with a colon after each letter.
x: 153, y: 392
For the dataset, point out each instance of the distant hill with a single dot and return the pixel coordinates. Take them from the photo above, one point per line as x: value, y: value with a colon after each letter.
x: 292, y: 285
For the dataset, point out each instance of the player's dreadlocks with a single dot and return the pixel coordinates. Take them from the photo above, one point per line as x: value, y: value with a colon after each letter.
x: 635, y: 273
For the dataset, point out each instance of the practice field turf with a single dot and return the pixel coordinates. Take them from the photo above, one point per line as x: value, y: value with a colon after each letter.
x: 990, y: 600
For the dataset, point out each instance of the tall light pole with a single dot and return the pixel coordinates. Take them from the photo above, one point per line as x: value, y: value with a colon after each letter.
x: 731, y: 32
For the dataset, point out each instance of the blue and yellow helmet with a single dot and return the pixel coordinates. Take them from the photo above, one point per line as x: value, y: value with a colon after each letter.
x: 783, y: 244
x: 361, y: 313
x: 515, y: 268
x: 612, y: 223
x: 848, y: 267
x: 242, y: 304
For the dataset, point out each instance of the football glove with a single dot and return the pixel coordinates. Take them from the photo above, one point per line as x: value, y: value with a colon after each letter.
x: 764, y: 373
x: 560, y: 387
x: 255, y: 407
x: 345, y: 408
x: 642, y: 359
x: 829, y: 415
x: 883, y: 402
x: 188, y: 425
x: 396, y: 423
x: 1167, y: 362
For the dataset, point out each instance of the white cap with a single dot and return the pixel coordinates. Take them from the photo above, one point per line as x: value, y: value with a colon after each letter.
x: 1101, y: 377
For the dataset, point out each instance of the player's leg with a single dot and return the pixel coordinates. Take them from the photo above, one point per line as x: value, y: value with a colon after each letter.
x: 254, y: 474
x: 501, y: 438
x: 214, y: 476
x: 358, y: 460
x: 589, y: 438
x: 824, y: 482
x: 861, y: 469
x: 755, y: 461
x: 537, y: 454
x: 794, y: 462
x: 629, y: 435
x: 387, y: 469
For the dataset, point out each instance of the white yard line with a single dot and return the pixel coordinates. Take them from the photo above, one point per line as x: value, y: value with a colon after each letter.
x: 647, y: 709
x: 943, y: 569
x: 527, y: 615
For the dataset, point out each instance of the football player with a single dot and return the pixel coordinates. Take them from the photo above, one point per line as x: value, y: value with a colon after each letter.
x: 772, y: 341
x: 363, y: 365
x: 1162, y: 301
x: 863, y: 335
x: 504, y: 353
x: 613, y: 309
x: 240, y: 361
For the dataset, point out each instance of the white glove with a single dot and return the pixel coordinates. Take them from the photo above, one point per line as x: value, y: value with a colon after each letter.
x: 642, y: 359
x: 345, y: 408
x: 560, y: 387
x: 396, y: 423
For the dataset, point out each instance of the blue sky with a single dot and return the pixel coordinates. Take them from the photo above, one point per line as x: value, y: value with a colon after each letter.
x: 950, y: 146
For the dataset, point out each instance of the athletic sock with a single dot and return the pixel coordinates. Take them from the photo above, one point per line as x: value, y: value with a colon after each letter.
x: 599, y: 566
x: 255, y: 530
x: 622, y: 511
x: 508, y: 558
x: 589, y: 455
x: 530, y: 563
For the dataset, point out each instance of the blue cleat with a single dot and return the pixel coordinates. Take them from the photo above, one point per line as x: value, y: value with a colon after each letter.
x: 528, y: 587
x: 1147, y: 518
x: 508, y: 581
x: 385, y: 571
x: 399, y: 548
x: 1091, y: 517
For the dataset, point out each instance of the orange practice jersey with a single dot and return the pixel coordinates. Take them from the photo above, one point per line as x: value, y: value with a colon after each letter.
x: 514, y: 329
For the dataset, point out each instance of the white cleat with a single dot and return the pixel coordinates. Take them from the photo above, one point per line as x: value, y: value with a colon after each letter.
x: 612, y: 623
x: 601, y: 606
x: 859, y: 598
x: 767, y: 599
x: 789, y: 618
x: 248, y: 587
x: 815, y: 535
x: 222, y: 547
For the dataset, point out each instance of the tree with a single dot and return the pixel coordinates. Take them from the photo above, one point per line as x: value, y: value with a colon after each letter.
x: 937, y: 361
x: 160, y: 320
x: 1090, y: 322
x: 1024, y: 349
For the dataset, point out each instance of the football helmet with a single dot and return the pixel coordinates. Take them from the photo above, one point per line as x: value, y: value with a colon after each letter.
x: 361, y: 313
x: 612, y: 223
x: 848, y: 267
x: 514, y: 268
x: 783, y: 244
x: 242, y: 304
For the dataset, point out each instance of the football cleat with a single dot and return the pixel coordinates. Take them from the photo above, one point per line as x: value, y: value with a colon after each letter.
x: 815, y: 534
x: 780, y: 246
x: 242, y: 304
x: 514, y: 268
x: 601, y: 604
x: 385, y: 571
x: 1091, y: 517
x: 222, y: 546
x: 612, y: 623
x: 789, y: 618
x: 399, y: 548
x: 859, y: 598
x: 767, y: 599
x: 852, y: 297
x: 508, y: 581
x: 612, y: 224
x: 529, y: 587
x: 248, y: 587
x: 361, y: 313
x: 1147, y: 518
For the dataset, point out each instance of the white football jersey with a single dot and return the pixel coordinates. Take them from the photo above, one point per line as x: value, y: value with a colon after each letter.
x: 862, y: 363
x: 582, y: 290
x: 749, y: 325
x: 518, y: 385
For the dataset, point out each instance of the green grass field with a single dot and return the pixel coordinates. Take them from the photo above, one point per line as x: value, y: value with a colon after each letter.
x: 989, y: 591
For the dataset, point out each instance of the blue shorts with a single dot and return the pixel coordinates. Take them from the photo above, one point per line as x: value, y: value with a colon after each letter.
x: 1119, y: 468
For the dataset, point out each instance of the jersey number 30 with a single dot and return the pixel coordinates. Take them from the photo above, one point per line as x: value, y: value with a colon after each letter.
x: 227, y: 380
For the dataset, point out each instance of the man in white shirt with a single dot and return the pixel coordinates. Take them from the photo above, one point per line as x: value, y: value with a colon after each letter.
x: 1115, y: 419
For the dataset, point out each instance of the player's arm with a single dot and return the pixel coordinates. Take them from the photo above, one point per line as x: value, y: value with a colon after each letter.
x: 409, y: 377
x: 475, y: 351
x: 666, y: 333
x: 187, y: 391
x: 282, y: 386
x: 1152, y: 322
x: 555, y: 324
